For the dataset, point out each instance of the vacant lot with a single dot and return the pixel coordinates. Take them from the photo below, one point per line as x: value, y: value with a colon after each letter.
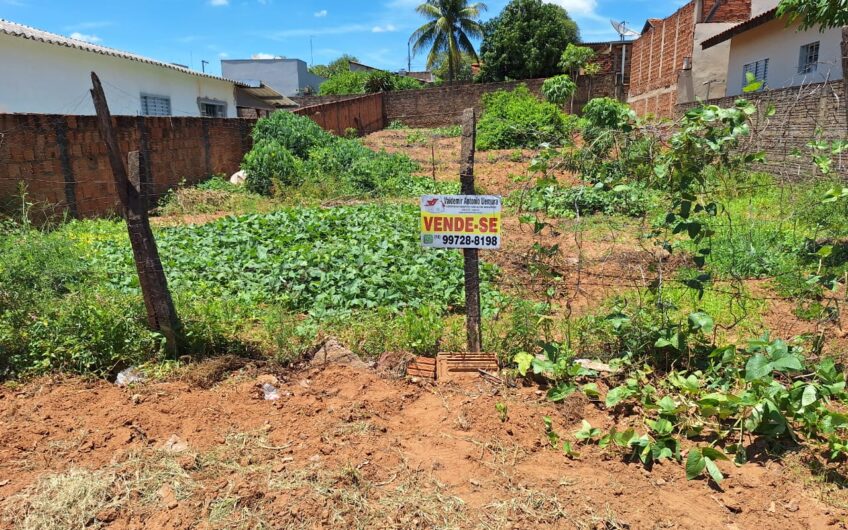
x: 668, y: 323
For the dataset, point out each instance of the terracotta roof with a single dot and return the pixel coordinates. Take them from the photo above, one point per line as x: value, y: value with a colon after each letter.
x: 651, y: 22
x: 727, y: 34
x: 26, y: 32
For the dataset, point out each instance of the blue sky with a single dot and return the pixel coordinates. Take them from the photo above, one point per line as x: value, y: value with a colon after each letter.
x: 188, y: 31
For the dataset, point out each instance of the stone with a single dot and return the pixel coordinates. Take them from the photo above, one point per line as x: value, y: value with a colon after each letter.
x: 174, y: 445
x: 238, y: 177
x: 595, y: 365
x: 332, y: 352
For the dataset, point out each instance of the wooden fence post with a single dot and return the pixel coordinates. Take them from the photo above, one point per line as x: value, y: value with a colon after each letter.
x: 472, y: 265
x: 844, y: 49
x: 161, y: 315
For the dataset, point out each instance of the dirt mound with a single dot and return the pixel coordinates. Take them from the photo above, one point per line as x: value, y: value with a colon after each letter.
x: 343, y: 447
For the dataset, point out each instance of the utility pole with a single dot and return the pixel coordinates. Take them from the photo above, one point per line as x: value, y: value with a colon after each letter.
x: 203, y: 64
x: 408, y: 56
x: 311, y: 53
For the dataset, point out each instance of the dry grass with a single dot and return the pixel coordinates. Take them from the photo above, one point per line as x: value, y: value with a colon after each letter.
x: 62, y: 501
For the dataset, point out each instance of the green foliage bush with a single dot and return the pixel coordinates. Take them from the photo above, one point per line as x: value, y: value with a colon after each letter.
x: 558, y: 89
x: 344, y: 83
x: 319, y: 261
x: 518, y: 119
x: 296, y: 133
x: 558, y: 201
x: 270, y: 164
x: 608, y: 113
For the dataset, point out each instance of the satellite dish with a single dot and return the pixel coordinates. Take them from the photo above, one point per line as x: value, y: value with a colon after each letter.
x: 622, y: 30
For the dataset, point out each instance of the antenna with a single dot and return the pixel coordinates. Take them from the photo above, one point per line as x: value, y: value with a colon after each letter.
x: 622, y: 29
x: 203, y: 65
x: 311, y: 53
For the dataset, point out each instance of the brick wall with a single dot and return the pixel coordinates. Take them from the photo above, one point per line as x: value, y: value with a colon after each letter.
x: 62, y: 159
x: 436, y: 107
x: 799, y: 113
x: 658, y: 54
x: 365, y: 114
x: 309, y: 101
x: 657, y: 58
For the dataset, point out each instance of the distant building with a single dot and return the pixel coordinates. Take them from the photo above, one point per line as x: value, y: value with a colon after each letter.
x: 289, y: 77
x: 46, y: 73
x: 359, y: 67
x: 778, y: 55
x: 425, y: 76
x: 669, y: 66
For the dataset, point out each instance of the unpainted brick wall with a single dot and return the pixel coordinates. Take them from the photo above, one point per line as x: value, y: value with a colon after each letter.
x: 799, y: 113
x: 437, y: 107
x: 657, y: 58
x: 63, y: 164
x: 658, y: 54
x: 365, y: 114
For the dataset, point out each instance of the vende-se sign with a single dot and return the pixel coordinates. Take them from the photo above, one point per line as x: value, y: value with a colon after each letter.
x: 461, y: 221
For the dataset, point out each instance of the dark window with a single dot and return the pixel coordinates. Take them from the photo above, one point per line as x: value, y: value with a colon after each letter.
x: 808, y: 59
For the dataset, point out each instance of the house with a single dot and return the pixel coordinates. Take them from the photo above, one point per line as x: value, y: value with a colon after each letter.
x: 778, y: 55
x: 668, y: 64
x: 289, y: 77
x: 46, y: 73
x: 359, y: 67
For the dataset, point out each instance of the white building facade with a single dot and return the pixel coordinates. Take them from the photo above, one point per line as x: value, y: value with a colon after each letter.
x: 45, y: 73
x: 779, y: 56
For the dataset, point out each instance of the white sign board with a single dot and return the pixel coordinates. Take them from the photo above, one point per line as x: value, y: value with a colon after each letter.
x: 461, y: 221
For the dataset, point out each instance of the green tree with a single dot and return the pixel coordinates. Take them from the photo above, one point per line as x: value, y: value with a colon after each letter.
x: 576, y: 61
x: 558, y: 89
x: 344, y: 83
x: 825, y: 14
x: 526, y: 40
x: 440, y: 67
x: 335, y: 67
x: 451, y: 26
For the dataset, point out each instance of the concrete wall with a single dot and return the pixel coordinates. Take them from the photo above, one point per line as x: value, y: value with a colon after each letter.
x: 62, y: 159
x: 799, y: 113
x: 289, y: 77
x: 781, y: 45
x: 37, y: 77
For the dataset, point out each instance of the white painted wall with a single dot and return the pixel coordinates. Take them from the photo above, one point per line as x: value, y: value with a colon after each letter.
x: 41, y: 78
x: 782, y: 46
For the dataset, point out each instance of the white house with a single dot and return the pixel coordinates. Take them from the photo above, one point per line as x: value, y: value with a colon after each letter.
x: 778, y: 55
x: 45, y: 73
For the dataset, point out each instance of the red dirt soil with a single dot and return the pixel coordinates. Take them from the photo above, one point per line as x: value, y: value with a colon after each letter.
x: 444, y: 443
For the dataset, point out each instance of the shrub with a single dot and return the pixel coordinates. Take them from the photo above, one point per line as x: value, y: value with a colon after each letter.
x: 556, y: 201
x: 296, y: 133
x: 518, y: 119
x: 608, y: 113
x: 270, y: 164
x: 344, y: 83
x: 559, y: 89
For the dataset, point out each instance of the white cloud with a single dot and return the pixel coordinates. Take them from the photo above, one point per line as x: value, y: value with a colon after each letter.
x: 85, y: 38
x: 384, y: 29
x: 321, y: 14
x: 223, y: 55
x: 577, y: 7
x: 264, y: 56
x: 218, y: 3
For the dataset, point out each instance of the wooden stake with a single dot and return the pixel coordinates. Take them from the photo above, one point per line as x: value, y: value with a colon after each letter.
x: 472, y: 265
x: 161, y: 315
x: 844, y: 49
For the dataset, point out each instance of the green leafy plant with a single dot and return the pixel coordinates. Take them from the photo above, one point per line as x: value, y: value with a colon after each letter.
x: 558, y: 89
x: 517, y: 118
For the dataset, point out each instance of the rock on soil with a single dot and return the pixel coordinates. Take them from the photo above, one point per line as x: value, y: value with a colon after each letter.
x: 332, y: 352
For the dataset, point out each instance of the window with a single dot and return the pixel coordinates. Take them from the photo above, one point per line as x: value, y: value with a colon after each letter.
x: 808, y: 59
x: 211, y: 108
x: 155, y: 105
x: 758, y: 68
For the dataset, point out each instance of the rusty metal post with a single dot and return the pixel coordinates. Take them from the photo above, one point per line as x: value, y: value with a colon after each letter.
x: 472, y: 264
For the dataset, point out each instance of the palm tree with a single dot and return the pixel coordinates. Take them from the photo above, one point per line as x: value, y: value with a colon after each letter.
x: 452, y: 24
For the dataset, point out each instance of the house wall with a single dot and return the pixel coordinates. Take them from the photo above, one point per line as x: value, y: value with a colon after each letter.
x: 781, y: 45
x: 657, y: 78
x: 287, y: 76
x: 37, y: 77
x: 657, y: 59
x: 62, y: 160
